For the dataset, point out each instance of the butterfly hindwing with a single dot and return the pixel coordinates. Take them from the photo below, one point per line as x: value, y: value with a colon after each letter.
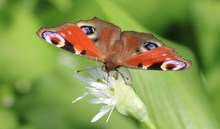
x: 147, y: 52
x: 162, y: 58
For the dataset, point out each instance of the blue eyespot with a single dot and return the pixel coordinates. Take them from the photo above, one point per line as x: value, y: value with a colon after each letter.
x: 88, y: 30
x: 150, y: 45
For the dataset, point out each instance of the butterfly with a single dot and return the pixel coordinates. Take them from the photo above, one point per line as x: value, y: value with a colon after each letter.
x: 103, y: 41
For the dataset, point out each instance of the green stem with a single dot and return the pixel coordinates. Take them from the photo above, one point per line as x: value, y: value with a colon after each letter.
x: 149, y: 124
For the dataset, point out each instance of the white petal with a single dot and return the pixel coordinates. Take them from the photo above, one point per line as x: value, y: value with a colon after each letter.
x: 97, y: 84
x: 102, y: 74
x: 81, y: 97
x: 99, y: 93
x: 84, y: 79
x: 93, y: 74
x: 102, y: 112
x: 110, y: 114
x: 100, y: 100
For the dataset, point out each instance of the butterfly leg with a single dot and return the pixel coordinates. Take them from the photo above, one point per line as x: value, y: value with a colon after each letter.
x: 108, y: 75
x: 125, y: 78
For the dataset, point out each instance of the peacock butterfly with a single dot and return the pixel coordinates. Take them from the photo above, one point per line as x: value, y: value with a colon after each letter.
x: 102, y: 41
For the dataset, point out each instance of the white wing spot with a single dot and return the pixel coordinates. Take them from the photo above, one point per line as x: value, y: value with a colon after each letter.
x: 168, y: 59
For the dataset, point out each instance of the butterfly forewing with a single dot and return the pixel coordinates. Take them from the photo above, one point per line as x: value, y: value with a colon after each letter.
x: 71, y: 38
x: 104, y: 36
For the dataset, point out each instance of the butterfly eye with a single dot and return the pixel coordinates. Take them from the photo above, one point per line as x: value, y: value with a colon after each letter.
x: 150, y: 45
x: 88, y: 30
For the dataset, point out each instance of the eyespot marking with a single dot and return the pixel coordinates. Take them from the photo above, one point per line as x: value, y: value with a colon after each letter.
x: 170, y: 66
x: 83, y: 52
x: 95, y: 40
x: 155, y: 66
x: 140, y: 65
x: 150, y: 45
x: 69, y: 47
x: 88, y: 30
x: 54, y: 42
x: 53, y: 38
x: 173, y: 65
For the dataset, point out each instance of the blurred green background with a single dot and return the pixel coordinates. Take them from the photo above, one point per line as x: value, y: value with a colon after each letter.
x: 36, y: 82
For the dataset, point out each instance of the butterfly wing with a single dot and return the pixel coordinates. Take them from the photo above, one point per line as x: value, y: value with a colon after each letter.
x: 103, y: 41
x: 71, y: 38
x: 147, y: 52
x: 89, y: 38
x: 105, y: 35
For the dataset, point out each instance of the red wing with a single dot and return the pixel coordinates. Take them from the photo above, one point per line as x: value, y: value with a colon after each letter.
x: 71, y: 38
x: 161, y: 58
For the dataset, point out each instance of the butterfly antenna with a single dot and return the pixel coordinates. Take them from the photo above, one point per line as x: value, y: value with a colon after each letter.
x: 82, y: 70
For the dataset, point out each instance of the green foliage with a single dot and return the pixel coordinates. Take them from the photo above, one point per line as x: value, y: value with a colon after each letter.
x: 36, y: 83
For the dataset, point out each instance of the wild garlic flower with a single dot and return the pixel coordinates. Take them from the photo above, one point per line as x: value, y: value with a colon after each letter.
x: 113, y: 90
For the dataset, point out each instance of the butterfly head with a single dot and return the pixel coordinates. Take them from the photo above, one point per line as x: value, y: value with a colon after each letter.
x: 110, y: 63
x: 111, y: 67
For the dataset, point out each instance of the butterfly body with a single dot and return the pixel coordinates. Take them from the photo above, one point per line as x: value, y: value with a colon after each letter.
x: 102, y: 41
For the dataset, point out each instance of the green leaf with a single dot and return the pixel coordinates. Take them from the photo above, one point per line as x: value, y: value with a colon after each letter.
x: 206, y: 18
x: 8, y: 119
x: 176, y: 100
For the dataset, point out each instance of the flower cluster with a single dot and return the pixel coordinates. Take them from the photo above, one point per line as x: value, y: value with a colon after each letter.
x: 113, y: 90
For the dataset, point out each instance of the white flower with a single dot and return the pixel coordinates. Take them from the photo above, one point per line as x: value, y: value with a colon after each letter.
x: 113, y: 90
